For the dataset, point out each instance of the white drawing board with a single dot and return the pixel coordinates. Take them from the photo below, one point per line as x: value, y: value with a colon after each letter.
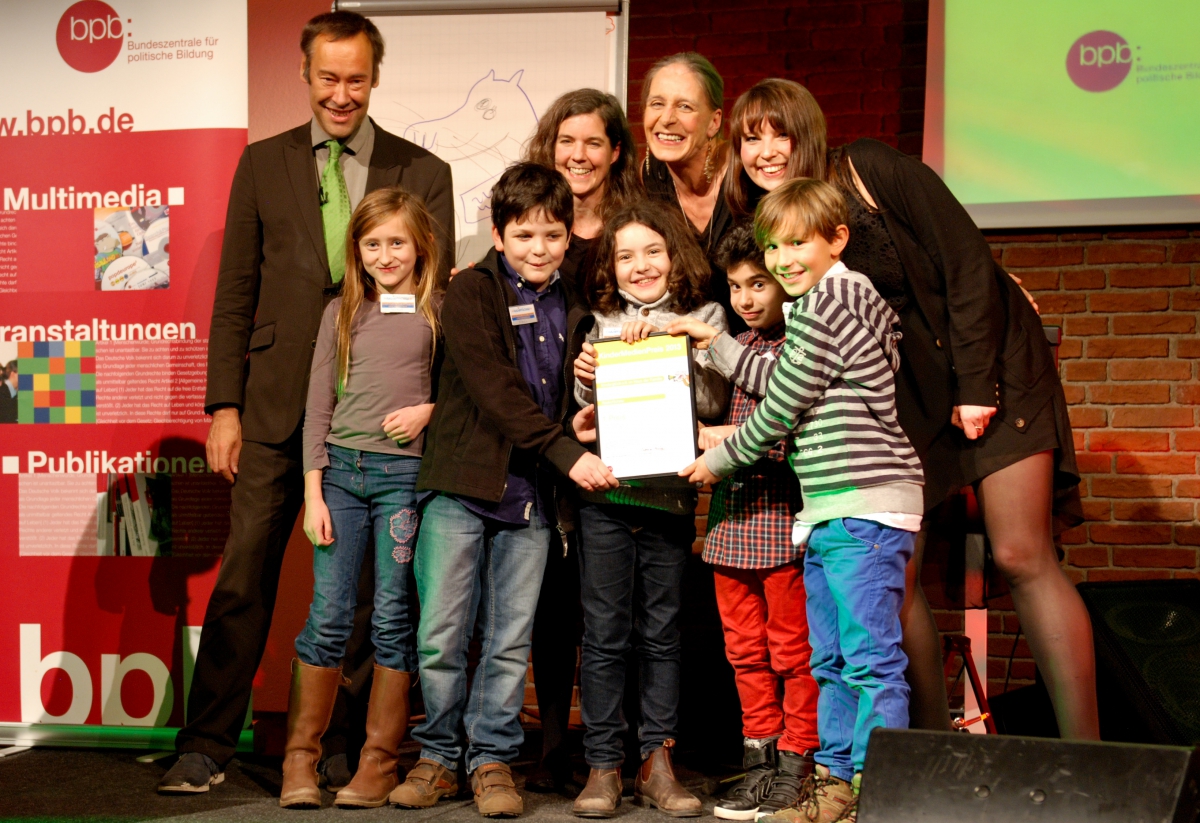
x: 470, y: 88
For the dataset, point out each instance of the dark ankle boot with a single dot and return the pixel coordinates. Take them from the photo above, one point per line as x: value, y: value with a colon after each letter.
x: 742, y: 801
x: 387, y: 721
x: 656, y: 786
x: 788, y: 785
x: 310, y: 706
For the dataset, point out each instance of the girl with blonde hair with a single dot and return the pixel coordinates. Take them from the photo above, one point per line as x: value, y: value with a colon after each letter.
x: 370, y: 396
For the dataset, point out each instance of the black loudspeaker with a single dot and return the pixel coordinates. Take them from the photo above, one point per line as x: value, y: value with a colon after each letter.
x: 1147, y: 659
x: 953, y: 777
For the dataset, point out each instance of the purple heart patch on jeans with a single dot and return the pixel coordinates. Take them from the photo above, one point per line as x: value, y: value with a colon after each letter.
x: 403, y: 527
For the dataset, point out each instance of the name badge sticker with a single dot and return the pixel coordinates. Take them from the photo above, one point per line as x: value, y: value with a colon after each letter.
x: 522, y: 315
x: 398, y: 303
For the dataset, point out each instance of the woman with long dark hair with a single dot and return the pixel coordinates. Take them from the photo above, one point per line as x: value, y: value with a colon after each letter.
x: 585, y: 136
x: 978, y: 393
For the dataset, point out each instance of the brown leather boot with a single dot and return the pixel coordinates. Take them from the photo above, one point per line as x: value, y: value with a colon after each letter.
x: 656, y: 786
x: 601, y: 796
x: 310, y: 706
x: 495, y: 793
x: 387, y: 721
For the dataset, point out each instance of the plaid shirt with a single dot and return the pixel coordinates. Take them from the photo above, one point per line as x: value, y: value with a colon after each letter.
x: 752, y: 511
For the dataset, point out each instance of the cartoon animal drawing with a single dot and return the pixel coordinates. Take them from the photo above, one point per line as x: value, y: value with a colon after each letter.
x: 496, y: 118
x: 479, y: 139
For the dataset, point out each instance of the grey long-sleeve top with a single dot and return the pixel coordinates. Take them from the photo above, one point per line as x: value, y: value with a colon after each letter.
x: 711, y: 388
x: 390, y: 369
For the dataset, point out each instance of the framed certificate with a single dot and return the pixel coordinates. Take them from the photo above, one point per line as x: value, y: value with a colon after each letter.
x: 645, y: 407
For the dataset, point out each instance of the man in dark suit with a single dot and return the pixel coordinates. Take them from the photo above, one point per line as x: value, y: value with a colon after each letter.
x: 281, y: 263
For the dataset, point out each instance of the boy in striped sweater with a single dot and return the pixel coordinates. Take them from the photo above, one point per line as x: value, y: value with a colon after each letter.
x: 831, y: 397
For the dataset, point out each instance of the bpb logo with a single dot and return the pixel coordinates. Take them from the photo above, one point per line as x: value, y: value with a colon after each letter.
x: 89, y: 35
x: 1099, y: 61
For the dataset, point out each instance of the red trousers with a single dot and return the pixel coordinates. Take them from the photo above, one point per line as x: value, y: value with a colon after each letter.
x: 766, y: 641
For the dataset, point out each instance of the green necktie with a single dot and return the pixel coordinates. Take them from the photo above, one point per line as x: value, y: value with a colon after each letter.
x: 335, y: 211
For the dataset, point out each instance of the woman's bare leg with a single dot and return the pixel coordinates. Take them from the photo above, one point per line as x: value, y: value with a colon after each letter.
x: 928, y: 707
x: 1017, y: 512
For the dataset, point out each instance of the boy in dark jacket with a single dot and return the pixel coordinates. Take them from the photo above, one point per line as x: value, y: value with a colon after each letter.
x: 495, y: 455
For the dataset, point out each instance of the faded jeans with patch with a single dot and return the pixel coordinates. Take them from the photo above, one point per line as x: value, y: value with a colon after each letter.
x: 475, y: 575
x: 372, y: 500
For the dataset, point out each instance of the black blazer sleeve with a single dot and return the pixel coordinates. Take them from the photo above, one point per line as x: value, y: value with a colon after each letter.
x: 439, y: 351
x: 942, y: 227
x: 237, y: 293
x: 477, y: 345
x: 439, y: 200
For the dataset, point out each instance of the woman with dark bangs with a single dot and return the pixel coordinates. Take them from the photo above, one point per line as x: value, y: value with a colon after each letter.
x: 978, y: 393
x: 585, y: 136
x: 762, y: 123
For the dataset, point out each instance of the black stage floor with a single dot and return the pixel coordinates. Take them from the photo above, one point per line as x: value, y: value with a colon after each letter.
x: 45, y: 785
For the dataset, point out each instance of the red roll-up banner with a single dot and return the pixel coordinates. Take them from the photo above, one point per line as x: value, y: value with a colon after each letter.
x: 120, y: 128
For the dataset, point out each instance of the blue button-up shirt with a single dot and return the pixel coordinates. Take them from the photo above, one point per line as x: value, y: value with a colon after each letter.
x: 541, y: 347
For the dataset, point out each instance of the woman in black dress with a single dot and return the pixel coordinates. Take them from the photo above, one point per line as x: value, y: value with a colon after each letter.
x: 978, y: 393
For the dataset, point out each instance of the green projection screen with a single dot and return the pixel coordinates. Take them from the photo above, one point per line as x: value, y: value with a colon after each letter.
x: 1066, y: 112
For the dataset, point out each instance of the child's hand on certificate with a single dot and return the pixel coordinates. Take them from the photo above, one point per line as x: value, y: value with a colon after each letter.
x: 711, y: 436
x: 591, y: 475
x: 636, y: 330
x: 585, y: 365
x: 584, y: 423
x: 698, y: 330
x: 699, y: 474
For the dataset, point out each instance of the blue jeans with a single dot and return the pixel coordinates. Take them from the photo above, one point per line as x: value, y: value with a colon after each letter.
x: 631, y: 564
x: 854, y: 576
x: 468, y: 567
x: 371, y: 497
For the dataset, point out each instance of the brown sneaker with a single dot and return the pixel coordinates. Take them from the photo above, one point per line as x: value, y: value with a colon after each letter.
x: 601, y: 796
x: 425, y: 785
x: 831, y: 799
x: 792, y: 814
x: 656, y: 786
x: 495, y: 793
x: 850, y: 812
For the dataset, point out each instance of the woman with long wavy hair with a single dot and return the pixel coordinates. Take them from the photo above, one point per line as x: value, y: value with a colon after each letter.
x: 585, y: 136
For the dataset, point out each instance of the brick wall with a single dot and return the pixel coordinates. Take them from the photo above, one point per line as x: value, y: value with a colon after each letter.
x: 1126, y: 299
x: 1127, y: 302
x: 863, y: 61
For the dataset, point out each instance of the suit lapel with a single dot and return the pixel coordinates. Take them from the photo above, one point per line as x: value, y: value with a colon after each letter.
x: 385, y: 166
x: 303, y: 176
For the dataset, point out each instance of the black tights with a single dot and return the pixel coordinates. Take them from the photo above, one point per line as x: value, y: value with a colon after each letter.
x: 1017, y: 512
